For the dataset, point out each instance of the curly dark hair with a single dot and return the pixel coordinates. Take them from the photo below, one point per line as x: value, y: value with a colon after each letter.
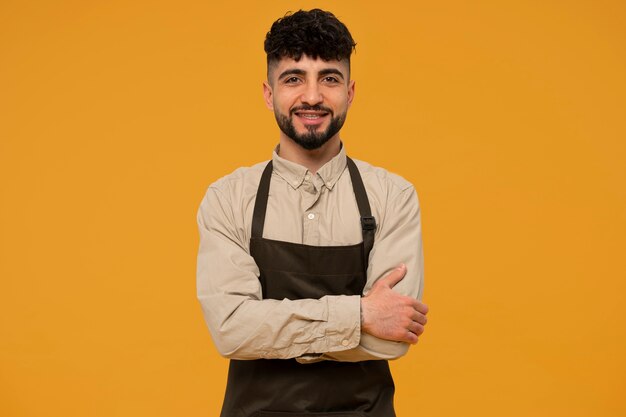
x: 314, y: 33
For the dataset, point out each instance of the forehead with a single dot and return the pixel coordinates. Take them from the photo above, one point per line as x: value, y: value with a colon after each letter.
x: 307, y: 65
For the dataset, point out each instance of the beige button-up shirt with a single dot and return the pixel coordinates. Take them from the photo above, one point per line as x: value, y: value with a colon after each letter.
x: 308, y: 209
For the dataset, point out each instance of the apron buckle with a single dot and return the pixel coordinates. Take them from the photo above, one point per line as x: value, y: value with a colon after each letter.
x: 368, y: 223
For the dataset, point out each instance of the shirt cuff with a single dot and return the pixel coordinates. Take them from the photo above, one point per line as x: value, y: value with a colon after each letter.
x: 343, y: 330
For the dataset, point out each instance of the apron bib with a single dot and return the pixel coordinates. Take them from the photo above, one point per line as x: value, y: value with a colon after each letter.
x: 284, y: 387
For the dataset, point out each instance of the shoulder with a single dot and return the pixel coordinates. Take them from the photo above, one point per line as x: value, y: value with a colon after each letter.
x: 239, y: 178
x: 235, y: 191
x: 392, y: 198
x: 380, y: 180
x: 228, y: 202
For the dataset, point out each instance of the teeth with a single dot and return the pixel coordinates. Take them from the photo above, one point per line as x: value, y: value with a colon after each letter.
x: 311, y: 116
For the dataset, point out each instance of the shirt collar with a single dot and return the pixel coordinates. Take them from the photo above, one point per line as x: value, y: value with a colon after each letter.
x: 294, y: 173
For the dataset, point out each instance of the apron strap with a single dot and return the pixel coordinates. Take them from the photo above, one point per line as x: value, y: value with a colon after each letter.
x: 368, y: 222
x: 260, y: 204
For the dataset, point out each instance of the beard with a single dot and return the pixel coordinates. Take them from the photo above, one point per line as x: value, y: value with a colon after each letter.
x: 312, y: 139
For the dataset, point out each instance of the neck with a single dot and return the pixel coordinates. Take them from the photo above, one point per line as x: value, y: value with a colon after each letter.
x: 311, y: 159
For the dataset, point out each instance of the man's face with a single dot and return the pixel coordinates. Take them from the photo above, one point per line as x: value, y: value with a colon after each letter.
x: 310, y: 98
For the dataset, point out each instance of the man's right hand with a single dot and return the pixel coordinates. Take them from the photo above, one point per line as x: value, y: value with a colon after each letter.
x: 389, y: 315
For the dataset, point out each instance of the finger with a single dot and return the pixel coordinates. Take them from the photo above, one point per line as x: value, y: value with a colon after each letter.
x: 421, y: 307
x: 410, y: 337
x: 395, y: 276
x: 420, y: 318
x: 416, y: 328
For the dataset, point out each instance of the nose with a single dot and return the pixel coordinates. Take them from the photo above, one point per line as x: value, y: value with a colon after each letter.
x: 312, y: 94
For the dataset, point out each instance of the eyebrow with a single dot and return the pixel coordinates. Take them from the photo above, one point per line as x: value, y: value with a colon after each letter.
x: 298, y: 71
x: 292, y: 71
x: 328, y: 71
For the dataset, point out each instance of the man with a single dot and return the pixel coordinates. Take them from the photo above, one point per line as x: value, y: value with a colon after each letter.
x: 310, y: 265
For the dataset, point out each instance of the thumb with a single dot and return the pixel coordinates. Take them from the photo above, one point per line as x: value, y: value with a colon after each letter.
x: 395, y: 276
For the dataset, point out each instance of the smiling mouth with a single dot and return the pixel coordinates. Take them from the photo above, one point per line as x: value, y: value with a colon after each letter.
x: 311, y: 115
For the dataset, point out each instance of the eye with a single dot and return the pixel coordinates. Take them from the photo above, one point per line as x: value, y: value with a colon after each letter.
x: 331, y: 79
x: 292, y: 80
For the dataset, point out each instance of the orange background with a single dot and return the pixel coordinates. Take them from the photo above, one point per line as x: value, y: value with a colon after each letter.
x: 507, y: 116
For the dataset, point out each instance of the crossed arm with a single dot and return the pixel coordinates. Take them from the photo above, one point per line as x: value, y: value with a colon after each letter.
x: 378, y: 325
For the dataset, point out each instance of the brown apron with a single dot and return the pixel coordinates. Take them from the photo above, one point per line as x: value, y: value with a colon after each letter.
x: 284, y: 387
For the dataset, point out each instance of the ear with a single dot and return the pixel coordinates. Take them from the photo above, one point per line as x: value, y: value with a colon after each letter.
x: 268, y: 95
x: 350, y: 92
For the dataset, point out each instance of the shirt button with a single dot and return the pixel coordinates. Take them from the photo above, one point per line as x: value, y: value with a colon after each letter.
x: 344, y: 342
x: 306, y: 177
x: 311, y: 216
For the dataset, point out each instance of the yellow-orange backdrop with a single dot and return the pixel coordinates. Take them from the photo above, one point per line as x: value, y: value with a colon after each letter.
x: 507, y: 116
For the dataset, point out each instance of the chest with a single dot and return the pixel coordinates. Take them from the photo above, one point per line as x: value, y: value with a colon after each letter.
x: 311, y: 214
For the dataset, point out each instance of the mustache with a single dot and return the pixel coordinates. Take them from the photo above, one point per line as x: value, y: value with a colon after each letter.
x: 311, y: 108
